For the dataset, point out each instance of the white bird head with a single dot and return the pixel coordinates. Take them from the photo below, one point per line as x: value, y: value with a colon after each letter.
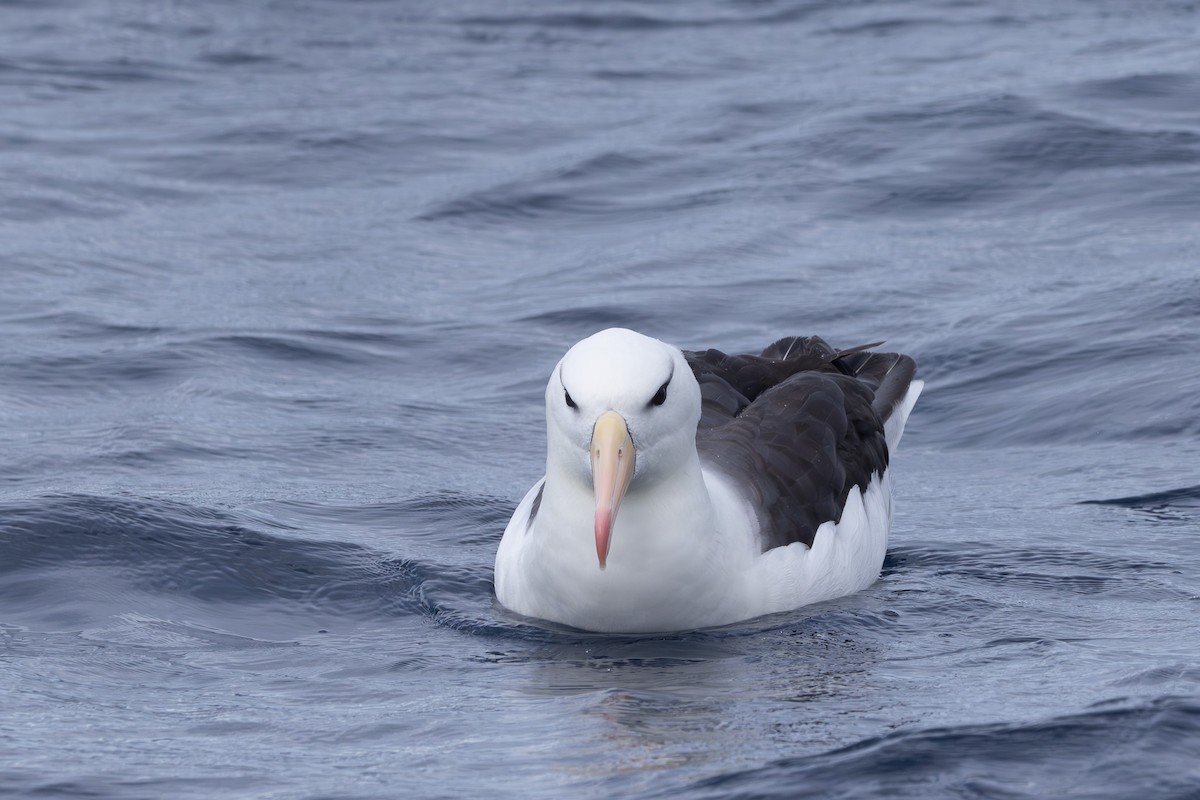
x: 621, y: 413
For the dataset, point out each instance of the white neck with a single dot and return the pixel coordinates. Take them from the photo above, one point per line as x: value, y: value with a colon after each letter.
x: 666, y: 533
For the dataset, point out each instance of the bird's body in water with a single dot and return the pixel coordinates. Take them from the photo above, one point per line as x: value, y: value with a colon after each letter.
x: 685, y: 490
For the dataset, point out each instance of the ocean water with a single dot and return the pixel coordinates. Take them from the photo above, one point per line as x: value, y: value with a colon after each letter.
x: 281, y: 283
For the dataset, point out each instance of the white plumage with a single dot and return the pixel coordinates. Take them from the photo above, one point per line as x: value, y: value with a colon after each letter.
x: 682, y: 546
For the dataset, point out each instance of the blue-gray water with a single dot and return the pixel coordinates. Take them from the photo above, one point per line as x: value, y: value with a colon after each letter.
x: 280, y: 284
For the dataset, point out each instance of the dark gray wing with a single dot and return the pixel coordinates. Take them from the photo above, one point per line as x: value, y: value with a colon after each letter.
x: 797, y: 426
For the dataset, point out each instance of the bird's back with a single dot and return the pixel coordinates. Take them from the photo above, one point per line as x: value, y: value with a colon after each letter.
x: 798, y: 426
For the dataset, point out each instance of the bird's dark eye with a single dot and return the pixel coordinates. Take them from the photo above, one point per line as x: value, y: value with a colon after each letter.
x: 570, y: 402
x: 660, y: 396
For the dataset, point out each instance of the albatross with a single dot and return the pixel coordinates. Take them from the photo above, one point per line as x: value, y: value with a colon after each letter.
x: 693, y: 489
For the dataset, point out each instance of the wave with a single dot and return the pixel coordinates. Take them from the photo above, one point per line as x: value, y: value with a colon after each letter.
x: 644, y: 22
x: 1097, y: 363
x: 76, y: 561
x: 1100, y: 753
x: 1170, y: 506
x: 1185, y: 497
x: 81, y: 355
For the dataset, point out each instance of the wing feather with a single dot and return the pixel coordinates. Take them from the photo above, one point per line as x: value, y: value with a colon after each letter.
x: 798, y: 426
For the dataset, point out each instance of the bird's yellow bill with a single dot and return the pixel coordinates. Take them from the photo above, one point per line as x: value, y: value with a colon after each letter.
x: 612, y: 467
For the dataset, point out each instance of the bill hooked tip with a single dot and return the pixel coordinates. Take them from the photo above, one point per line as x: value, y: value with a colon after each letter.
x: 613, y: 459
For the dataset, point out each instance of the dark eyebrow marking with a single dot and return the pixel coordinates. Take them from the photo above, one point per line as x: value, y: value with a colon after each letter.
x: 660, y: 396
x: 566, y: 392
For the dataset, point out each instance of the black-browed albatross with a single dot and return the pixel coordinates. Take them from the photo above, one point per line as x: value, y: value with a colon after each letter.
x: 691, y: 489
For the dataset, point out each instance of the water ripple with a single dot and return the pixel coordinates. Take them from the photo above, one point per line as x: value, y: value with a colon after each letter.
x: 1094, y: 753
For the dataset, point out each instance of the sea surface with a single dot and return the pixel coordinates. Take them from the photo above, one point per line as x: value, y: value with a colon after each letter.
x: 281, y: 282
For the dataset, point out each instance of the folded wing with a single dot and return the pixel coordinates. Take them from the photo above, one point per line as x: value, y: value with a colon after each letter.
x: 798, y: 427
